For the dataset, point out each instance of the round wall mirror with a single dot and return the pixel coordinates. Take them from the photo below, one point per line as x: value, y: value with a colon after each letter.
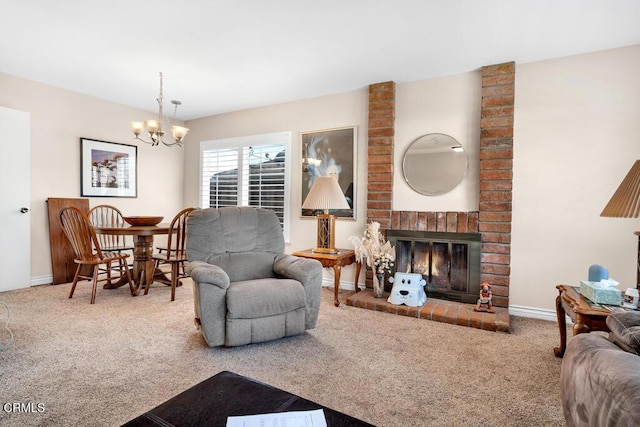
x: 434, y: 164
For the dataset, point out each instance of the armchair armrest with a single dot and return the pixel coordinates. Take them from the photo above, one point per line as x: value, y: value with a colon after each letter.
x: 303, y: 270
x: 309, y: 273
x: 202, y: 272
x: 209, y: 301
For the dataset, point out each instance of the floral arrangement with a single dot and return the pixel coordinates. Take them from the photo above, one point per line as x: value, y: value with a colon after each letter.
x: 373, y: 249
x: 384, y: 262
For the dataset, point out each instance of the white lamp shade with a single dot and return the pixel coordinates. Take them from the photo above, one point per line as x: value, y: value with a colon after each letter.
x: 325, y: 194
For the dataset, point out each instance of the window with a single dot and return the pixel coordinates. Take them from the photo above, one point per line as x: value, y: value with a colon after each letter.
x: 247, y: 171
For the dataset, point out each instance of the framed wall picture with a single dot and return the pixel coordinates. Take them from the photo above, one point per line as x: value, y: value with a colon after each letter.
x: 108, y: 169
x: 330, y: 152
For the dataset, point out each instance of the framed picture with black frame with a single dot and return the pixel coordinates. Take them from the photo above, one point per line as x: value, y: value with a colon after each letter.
x: 330, y: 152
x: 108, y: 169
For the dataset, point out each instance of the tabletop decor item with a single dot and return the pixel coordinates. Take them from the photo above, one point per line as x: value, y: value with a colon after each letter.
x: 408, y: 289
x: 326, y: 195
x: 143, y: 220
x: 602, y: 292
x: 378, y: 253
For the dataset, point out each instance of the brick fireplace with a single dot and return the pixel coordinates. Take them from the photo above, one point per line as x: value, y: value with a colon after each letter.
x: 493, y: 218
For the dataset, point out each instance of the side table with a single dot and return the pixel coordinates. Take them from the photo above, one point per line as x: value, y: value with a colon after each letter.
x: 585, y: 317
x: 335, y: 261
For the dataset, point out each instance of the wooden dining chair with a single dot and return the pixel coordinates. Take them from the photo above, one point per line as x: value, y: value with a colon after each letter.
x: 85, y: 243
x: 175, y: 253
x: 108, y: 215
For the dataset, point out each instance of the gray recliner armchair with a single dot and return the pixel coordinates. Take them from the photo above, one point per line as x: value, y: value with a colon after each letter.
x: 246, y: 290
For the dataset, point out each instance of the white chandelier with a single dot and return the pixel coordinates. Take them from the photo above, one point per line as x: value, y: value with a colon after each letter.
x: 154, y: 127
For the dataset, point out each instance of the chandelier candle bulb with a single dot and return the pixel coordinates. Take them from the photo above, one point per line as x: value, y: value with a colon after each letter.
x: 179, y: 132
x: 137, y: 128
x: 152, y: 126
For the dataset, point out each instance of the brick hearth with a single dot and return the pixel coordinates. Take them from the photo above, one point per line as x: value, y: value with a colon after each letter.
x: 437, y: 310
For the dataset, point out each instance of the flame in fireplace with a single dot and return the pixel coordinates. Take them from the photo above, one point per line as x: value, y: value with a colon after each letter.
x: 423, y: 267
x: 434, y: 266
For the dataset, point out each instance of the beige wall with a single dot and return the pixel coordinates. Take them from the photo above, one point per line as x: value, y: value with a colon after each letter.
x: 449, y: 105
x: 58, y: 119
x: 576, y: 136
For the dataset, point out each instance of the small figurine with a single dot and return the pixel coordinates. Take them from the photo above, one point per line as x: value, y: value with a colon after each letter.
x: 485, y: 298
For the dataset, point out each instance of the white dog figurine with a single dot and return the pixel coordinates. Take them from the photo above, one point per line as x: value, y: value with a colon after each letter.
x: 408, y: 289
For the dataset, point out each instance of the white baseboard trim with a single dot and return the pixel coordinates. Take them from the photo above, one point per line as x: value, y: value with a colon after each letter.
x: 327, y: 282
x: 533, y: 312
x: 42, y: 280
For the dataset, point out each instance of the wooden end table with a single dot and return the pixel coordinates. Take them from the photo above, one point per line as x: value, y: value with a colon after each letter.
x: 585, y: 317
x: 335, y: 261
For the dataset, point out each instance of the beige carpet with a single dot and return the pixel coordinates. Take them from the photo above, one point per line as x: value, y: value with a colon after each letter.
x: 103, y: 364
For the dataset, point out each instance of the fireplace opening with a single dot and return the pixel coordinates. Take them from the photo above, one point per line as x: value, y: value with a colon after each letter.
x: 448, y: 262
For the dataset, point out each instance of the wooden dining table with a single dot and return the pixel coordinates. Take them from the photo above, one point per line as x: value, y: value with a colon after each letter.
x: 143, y: 264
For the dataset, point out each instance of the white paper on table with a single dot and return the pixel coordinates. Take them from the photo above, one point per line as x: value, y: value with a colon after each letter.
x: 313, y: 418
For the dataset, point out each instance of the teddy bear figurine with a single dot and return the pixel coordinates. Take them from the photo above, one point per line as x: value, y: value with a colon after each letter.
x: 485, y: 298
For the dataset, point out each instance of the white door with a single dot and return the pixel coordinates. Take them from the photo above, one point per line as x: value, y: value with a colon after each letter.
x: 15, y: 244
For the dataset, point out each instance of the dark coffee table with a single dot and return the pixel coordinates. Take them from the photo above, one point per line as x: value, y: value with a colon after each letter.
x: 226, y: 394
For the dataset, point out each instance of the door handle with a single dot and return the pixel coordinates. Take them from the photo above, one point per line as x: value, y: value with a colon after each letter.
x: 24, y: 210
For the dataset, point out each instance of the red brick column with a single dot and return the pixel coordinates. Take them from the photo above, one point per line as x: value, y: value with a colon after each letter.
x: 382, y: 113
x: 496, y: 174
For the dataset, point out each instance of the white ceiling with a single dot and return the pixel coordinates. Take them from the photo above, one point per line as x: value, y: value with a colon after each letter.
x: 220, y: 56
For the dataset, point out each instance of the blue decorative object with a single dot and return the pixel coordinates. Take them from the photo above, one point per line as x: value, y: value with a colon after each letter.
x: 597, y: 273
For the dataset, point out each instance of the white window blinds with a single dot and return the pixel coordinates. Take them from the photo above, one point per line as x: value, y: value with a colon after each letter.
x: 248, y: 171
x: 220, y: 179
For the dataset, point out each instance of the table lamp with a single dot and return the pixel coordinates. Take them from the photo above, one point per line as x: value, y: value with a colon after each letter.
x: 326, y: 194
x: 625, y: 202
